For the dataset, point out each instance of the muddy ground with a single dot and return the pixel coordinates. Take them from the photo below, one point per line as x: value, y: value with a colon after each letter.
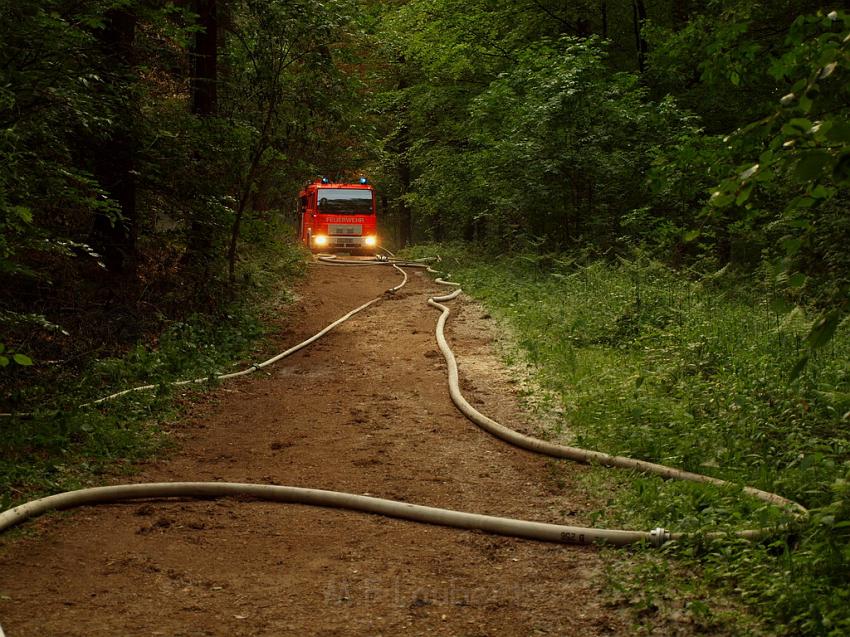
x: 364, y: 410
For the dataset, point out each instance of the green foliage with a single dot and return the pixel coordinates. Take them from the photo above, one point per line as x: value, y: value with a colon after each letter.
x: 693, y: 372
x: 513, y: 124
x: 53, y: 453
x: 805, y: 140
x: 284, y: 82
x: 514, y: 131
x: 102, y: 154
x: 559, y: 125
x: 63, y: 446
x: 803, y: 146
x: 100, y: 146
x: 48, y: 95
x: 533, y: 127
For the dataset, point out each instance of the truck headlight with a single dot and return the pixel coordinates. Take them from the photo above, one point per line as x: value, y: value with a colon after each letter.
x: 371, y: 241
x: 320, y: 240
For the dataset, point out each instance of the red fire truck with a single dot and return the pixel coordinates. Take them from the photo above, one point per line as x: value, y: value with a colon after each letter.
x: 338, y: 216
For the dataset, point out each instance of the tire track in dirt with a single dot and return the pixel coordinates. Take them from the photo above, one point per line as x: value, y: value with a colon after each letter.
x: 364, y: 410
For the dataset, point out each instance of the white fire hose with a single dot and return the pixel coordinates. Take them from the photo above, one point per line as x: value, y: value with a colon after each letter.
x: 403, y: 510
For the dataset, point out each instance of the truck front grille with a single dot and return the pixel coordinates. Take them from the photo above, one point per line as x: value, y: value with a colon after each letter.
x: 347, y: 229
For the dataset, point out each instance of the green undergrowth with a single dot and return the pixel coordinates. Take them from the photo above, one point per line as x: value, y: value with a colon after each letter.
x: 60, y: 446
x: 694, y: 372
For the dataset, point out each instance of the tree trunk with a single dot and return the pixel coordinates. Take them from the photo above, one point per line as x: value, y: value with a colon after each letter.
x: 203, y: 86
x: 259, y: 151
x: 603, y: 10
x: 235, y: 228
x: 114, y: 161
x: 204, y: 54
x: 243, y: 200
x: 639, y: 19
x: 402, y: 147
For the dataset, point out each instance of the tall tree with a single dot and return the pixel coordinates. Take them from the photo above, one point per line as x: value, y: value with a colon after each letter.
x: 282, y: 78
x: 401, y: 148
x: 115, y: 231
x: 203, y: 84
x: 639, y: 21
x: 204, y: 58
x: 603, y: 12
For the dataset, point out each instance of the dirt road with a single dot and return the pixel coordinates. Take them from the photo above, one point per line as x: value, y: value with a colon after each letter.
x: 365, y: 410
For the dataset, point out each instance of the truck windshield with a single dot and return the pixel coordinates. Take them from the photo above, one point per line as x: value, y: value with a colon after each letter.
x: 342, y: 201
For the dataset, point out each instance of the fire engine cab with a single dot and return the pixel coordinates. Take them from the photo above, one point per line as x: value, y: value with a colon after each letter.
x: 338, y: 216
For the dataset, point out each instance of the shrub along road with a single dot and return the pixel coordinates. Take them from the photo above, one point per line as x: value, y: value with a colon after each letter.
x: 365, y: 410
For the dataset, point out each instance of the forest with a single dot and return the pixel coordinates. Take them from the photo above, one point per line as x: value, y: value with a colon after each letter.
x: 668, y: 180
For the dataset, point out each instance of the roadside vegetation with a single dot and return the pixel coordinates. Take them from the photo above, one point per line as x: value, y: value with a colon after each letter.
x: 148, y: 156
x: 653, y: 196
x: 59, y: 445
x: 693, y: 371
x: 704, y: 133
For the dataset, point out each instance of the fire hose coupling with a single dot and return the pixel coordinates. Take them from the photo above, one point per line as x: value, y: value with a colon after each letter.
x: 659, y: 536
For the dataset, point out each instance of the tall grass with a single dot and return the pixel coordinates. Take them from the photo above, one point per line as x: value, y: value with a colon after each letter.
x: 695, y: 372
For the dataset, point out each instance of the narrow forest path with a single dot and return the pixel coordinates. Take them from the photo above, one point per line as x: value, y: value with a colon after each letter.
x: 364, y: 410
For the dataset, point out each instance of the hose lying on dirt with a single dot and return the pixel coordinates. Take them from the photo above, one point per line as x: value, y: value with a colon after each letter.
x: 334, y: 499
x: 574, y: 453
x: 505, y: 526
x: 583, y: 455
x: 330, y: 259
x: 255, y: 367
x: 270, y: 361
